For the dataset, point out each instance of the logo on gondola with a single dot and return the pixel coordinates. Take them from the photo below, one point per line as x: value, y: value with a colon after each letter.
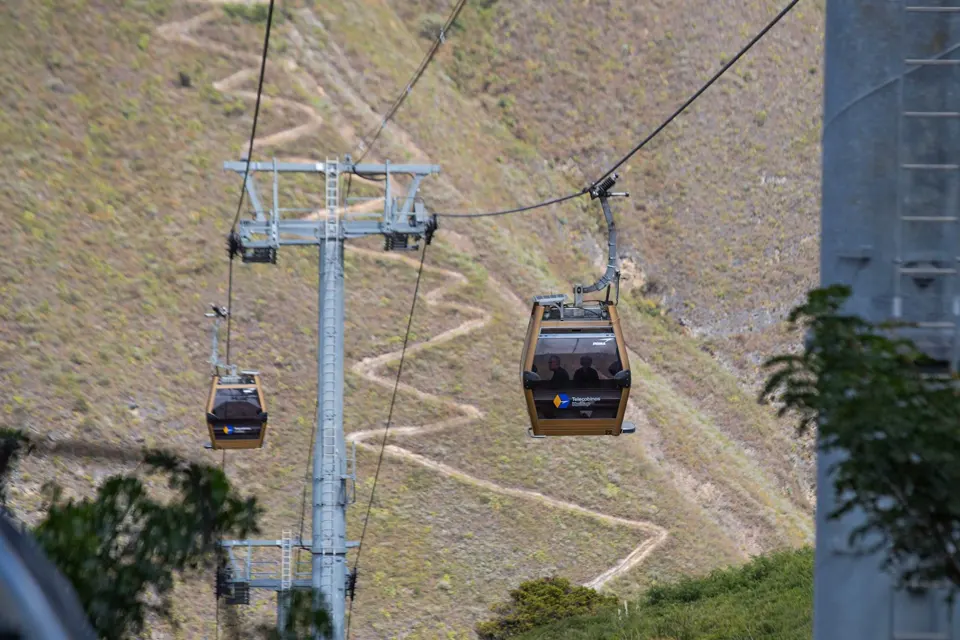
x: 562, y: 401
x: 227, y: 429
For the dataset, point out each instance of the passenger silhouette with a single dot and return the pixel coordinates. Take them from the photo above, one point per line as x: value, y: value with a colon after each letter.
x: 616, y: 367
x: 586, y: 374
x: 560, y: 377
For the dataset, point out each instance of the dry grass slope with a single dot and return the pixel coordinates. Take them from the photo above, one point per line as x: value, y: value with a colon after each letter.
x: 724, y: 213
x: 116, y: 204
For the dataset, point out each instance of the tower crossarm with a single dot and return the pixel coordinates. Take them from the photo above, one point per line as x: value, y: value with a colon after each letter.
x: 397, y: 218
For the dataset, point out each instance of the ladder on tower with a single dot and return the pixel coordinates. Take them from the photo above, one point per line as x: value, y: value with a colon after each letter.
x: 332, y: 174
x: 286, y: 561
x: 328, y: 434
x: 926, y: 265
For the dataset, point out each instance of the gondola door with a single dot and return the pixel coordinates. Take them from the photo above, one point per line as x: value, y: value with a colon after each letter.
x: 576, y: 375
x: 236, y: 413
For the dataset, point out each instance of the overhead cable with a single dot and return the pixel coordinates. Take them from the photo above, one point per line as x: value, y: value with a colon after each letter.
x: 383, y: 443
x: 236, y: 218
x: 645, y: 141
x: 696, y: 95
x: 256, y: 113
x: 539, y: 205
x: 306, y: 481
x: 365, y: 146
x: 233, y: 242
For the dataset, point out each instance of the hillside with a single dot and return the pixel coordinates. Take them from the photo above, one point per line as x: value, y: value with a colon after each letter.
x: 724, y: 220
x: 116, y: 118
x: 771, y: 597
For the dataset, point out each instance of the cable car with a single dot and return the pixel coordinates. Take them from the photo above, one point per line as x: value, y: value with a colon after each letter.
x: 236, y: 411
x: 574, y: 368
x: 576, y: 373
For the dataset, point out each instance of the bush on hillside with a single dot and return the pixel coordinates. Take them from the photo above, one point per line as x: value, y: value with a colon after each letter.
x: 539, y: 602
x: 761, y: 572
x: 769, y: 598
x: 254, y: 13
x: 430, y: 25
x: 303, y: 616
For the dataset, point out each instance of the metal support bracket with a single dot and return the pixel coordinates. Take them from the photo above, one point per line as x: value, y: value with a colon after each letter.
x: 612, y: 274
x: 258, y: 240
x: 219, y: 313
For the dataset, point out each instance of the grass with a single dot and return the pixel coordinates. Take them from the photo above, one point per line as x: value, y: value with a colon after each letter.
x: 730, y: 409
x: 701, y: 218
x: 448, y: 372
x: 771, y: 597
x: 117, y: 206
x: 440, y: 551
x: 252, y: 13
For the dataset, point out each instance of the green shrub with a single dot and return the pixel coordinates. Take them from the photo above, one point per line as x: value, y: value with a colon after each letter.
x: 769, y: 598
x: 721, y: 581
x: 538, y: 602
x: 254, y: 13
x: 430, y: 25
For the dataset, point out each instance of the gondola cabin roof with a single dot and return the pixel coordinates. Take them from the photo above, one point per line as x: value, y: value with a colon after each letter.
x: 575, y: 370
x: 236, y: 412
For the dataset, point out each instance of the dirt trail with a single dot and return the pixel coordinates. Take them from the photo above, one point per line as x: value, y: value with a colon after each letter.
x: 182, y: 32
x: 368, y: 368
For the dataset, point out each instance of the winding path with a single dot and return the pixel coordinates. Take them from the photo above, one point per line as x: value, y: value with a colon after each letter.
x: 370, y: 368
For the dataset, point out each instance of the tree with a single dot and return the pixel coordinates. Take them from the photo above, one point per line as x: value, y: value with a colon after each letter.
x: 302, y: 618
x: 538, y: 602
x: 122, y: 548
x: 899, y: 429
x: 13, y: 444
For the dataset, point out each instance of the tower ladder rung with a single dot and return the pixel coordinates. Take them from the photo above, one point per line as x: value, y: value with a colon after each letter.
x: 286, y: 561
x: 931, y: 114
x: 936, y: 325
x: 929, y: 218
x: 931, y: 167
x: 930, y: 62
x: 922, y: 9
x: 924, y: 271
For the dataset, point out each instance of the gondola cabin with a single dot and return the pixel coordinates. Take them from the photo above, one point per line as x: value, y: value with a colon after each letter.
x: 575, y: 370
x: 236, y: 413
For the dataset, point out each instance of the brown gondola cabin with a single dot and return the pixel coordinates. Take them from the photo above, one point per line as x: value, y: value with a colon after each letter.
x: 575, y: 370
x: 236, y: 412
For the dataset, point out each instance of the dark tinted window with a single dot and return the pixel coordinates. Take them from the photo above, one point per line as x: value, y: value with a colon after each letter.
x: 576, y: 361
x: 236, y: 403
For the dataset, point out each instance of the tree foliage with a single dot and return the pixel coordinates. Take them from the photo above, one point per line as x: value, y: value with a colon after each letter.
x: 123, y: 548
x: 303, y: 617
x: 538, y: 602
x: 896, y: 429
x: 13, y: 444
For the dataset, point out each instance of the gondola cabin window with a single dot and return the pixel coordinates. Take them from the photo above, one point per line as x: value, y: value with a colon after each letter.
x: 237, y: 403
x: 575, y: 372
x: 580, y: 368
x: 236, y: 415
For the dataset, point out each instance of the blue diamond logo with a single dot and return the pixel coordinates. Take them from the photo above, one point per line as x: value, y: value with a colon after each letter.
x: 562, y: 401
x: 227, y: 429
